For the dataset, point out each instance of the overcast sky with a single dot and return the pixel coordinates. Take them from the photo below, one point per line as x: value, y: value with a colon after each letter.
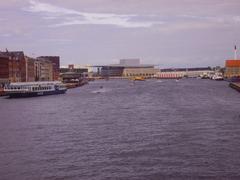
x: 171, y: 33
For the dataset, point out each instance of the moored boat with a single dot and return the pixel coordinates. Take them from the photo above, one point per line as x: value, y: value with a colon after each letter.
x: 138, y: 78
x: 218, y: 78
x: 31, y: 89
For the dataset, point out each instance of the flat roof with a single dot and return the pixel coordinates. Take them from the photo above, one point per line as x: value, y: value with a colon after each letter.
x: 186, y: 69
x: 35, y: 83
x: 126, y: 66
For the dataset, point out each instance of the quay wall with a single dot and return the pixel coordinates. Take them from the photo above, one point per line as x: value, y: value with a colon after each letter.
x: 235, y: 86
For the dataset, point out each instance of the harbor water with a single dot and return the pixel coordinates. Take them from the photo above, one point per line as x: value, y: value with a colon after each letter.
x: 117, y: 129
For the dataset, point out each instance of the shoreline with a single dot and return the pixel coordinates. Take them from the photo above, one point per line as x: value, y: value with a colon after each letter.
x: 235, y: 86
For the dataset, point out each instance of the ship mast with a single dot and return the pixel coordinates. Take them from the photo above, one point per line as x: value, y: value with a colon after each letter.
x: 235, y: 52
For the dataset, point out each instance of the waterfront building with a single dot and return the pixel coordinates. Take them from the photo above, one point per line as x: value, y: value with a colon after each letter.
x: 73, y: 68
x: 30, y: 74
x: 43, y: 70
x: 86, y: 70
x: 111, y: 71
x: 4, y: 69
x: 175, y: 73
x: 72, y: 73
x: 55, y: 60
x: 232, y: 69
x: 87, y: 66
x: 146, y: 71
x: 16, y: 65
x: 128, y: 68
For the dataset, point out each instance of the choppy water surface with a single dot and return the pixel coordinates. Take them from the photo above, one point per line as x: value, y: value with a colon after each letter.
x: 148, y: 130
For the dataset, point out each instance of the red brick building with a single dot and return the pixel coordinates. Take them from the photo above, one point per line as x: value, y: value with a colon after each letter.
x: 232, y: 69
x: 17, y: 66
x: 4, y: 69
x: 55, y: 60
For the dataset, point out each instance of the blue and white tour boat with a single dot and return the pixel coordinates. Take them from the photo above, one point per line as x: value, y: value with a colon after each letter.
x: 31, y: 89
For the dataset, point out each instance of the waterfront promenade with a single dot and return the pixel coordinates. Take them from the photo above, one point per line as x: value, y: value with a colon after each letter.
x: 156, y: 129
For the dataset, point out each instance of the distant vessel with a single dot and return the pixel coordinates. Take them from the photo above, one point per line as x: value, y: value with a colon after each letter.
x: 31, y: 89
x: 138, y: 78
x: 218, y: 78
x: 204, y: 76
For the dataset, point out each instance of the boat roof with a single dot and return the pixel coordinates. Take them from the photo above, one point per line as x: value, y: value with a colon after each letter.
x: 35, y: 83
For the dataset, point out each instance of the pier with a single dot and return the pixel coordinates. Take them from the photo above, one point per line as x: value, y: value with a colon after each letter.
x: 235, y: 86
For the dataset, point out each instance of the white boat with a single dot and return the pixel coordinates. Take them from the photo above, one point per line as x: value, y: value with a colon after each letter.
x: 31, y: 89
x: 218, y: 78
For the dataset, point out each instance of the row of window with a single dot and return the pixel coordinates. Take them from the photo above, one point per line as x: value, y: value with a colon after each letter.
x: 33, y: 88
x: 41, y: 88
x: 16, y: 87
x: 140, y: 74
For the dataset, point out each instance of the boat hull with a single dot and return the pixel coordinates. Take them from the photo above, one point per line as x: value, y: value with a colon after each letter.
x: 35, y: 94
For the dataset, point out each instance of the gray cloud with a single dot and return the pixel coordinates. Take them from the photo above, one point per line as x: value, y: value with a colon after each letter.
x: 73, y: 17
x: 60, y: 16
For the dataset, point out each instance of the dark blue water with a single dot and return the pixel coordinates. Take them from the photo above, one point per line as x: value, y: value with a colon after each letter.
x: 151, y: 130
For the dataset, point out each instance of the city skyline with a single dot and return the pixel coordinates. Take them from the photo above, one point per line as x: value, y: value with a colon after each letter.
x: 168, y: 33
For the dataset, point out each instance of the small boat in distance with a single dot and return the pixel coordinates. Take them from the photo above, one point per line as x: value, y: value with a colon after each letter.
x: 138, y: 78
x: 31, y: 89
x: 218, y: 78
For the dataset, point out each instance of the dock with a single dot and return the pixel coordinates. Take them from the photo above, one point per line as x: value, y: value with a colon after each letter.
x: 235, y: 86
